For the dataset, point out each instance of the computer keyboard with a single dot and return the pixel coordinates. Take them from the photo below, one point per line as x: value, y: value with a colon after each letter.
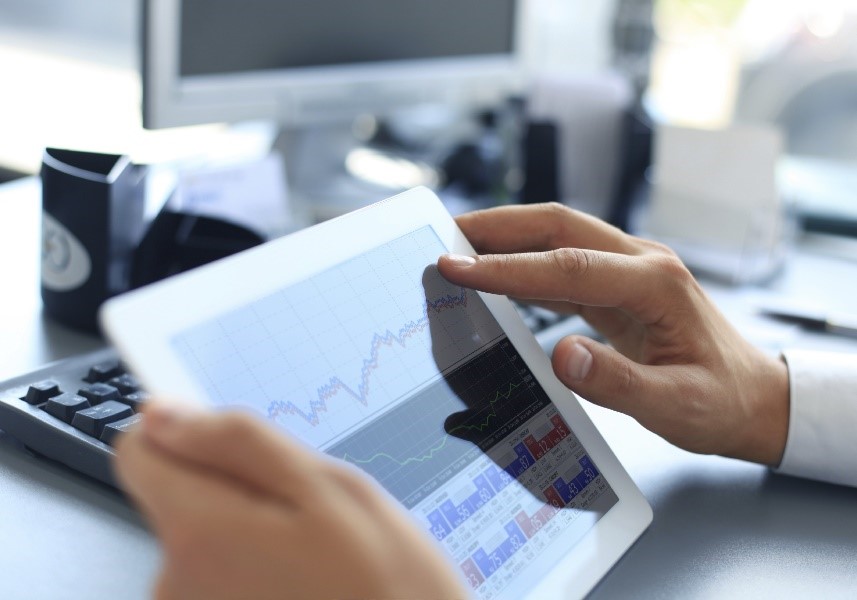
x: 72, y: 410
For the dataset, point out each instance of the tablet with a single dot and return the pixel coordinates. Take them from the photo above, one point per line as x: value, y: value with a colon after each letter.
x: 345, y: 336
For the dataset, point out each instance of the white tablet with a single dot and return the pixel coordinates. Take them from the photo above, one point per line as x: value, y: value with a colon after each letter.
x: 345, y: 336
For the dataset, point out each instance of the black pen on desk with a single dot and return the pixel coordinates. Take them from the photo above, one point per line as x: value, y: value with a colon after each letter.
x: 837, y: 324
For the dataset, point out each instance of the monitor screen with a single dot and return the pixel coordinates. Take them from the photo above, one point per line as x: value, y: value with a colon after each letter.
x: 306, y: 62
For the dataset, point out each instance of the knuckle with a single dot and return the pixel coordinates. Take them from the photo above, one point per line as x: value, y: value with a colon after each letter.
x: 558, y: 218
x: 670, y: 267
x: 501, y: 265
x: 626, y: 378
x: 571, y: 261
x: 501, y: 262
x: 653, y: 247
x: 558, y: 210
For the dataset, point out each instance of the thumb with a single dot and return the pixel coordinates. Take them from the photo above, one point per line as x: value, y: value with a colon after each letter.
x: 235, y: 445
x: 607, y: 378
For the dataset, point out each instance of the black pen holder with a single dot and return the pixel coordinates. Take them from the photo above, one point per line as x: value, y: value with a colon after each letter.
x: 92, y: 219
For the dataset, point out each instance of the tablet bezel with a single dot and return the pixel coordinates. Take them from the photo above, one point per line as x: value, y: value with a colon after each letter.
x: 142, y: 323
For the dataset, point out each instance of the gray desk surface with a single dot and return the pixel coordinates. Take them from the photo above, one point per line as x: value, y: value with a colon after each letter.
x: 721, y: 528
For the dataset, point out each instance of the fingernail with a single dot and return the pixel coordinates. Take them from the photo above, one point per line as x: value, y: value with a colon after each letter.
x: 459, y: 260
x: 579, y: 363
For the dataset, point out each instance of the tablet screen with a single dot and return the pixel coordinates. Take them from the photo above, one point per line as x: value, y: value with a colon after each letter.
x: 381, y: 362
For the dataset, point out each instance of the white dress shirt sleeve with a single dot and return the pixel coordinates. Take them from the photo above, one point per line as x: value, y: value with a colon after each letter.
x: 822, y: 438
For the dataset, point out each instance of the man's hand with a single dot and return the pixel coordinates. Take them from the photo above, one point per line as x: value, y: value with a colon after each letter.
x: 244, y: 512
x: 676, y: 364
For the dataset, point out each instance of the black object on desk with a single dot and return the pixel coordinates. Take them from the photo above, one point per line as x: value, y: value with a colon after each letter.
x: 92, y: 227
x: 834, y: 324
x: 92, y: 220
x: 176, y: 242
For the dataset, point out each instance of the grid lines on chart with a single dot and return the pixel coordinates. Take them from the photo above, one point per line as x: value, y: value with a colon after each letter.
x: 322, y: 355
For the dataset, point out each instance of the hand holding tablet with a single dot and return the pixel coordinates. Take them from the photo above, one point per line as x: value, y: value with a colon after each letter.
x: 365, y: 352
x: 674, y: 362
x: 244, y: 512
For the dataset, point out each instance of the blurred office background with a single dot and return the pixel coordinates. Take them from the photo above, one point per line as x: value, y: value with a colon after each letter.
x: 69, y: 71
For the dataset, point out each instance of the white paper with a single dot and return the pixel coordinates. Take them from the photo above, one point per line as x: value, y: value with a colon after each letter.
x: 252, y: 194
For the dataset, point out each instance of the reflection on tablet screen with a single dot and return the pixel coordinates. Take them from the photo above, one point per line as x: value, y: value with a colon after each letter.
x: 381, y: 362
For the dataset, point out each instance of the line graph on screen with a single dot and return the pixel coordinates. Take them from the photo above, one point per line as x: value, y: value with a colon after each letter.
x: 360, y: 392
x: 323, y: 355
x: 479, y: 427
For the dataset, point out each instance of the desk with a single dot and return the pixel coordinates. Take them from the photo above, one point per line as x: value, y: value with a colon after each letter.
x: 721, y: 528
x: 61, y: 536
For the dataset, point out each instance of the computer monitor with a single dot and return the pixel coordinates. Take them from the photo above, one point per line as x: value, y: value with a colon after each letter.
x: 302, y: 62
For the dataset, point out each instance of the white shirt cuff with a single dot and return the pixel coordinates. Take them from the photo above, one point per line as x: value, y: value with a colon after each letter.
x: 822, y: 438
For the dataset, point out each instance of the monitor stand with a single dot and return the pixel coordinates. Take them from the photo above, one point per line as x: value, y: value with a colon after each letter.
x: 333, y: 169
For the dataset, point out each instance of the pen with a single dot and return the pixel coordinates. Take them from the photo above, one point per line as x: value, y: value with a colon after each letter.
x: 838, y: 324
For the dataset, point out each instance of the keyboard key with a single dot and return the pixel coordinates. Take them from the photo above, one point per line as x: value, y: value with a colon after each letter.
x: 93, y: 420
x: 99, y: 392
x: 41, y: 392
x: 134, y: 400
x: 112, y: 431
x: 65, y: 405
x: 126, y: 384
x: 103, y: 371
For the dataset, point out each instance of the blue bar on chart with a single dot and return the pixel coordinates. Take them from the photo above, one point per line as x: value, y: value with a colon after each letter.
x: 523, y: 461
x: 517, y: 463
x: 569, y: 489
x: 489, y: 562
x: 438, y: 525
x: 456, y: 514
x: 499, y: 478
x: 450, y: 515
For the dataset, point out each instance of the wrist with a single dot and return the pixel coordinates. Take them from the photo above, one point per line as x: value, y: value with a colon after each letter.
x: 768, y: 425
